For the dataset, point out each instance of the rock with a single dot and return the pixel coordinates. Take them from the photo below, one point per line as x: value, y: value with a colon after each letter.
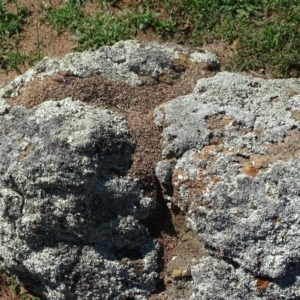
x: 127, y: 61
x: 235, y: 147
x: 69, y: 223
x: 70, y: 213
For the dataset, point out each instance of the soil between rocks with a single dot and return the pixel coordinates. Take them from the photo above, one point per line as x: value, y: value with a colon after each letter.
x: 180, y: 248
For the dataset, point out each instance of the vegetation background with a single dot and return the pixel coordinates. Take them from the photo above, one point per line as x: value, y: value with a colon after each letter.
x: 258, y: 37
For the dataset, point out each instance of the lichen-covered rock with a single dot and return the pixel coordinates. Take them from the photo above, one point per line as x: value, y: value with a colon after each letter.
x: 69, y: 220
x: 128, y: 61
x: 234, y: 144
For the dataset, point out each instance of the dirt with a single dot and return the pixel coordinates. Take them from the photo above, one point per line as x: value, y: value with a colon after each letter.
x: 39, y: 36
x: 6, y: 292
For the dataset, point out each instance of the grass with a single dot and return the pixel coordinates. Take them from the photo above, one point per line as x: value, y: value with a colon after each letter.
x: 11, y: 25
x: 105, y: 28
x: 10, y: 29
x: 261, y: 34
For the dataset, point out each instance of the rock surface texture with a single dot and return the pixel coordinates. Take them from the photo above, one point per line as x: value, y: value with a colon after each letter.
x: 66, y: 218
x: 232, y: 158
x: 137, y: 172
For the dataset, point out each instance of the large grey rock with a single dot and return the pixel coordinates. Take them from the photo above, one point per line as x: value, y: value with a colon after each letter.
x: 128, y: 61
x: 233, y: 148
x: 69, y: 223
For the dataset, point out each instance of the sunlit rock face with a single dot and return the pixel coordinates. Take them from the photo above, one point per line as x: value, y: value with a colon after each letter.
x: 232, y: 159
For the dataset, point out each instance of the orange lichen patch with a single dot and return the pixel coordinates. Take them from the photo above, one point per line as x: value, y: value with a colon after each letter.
x: 251, y: 163
x: 207, y: 152
x: 262, y: 283
x: 289, y: 148
x: 276, y: 220
x: 295, y: 115
x: 217, y: 124
x: 261, y: 161
x: 290, y: 92
x: 250, y: 170
x: 28, y: 151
